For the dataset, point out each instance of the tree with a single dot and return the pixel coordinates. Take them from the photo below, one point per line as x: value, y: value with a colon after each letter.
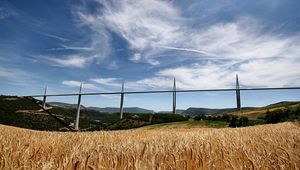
x: 243, y: 121
x: 275, y: 116
x: 233, y: 121
x: 197, y: 118
x: 225, y: 117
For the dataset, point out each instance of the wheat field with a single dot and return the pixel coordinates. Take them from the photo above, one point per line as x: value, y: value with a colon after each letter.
x: 259, y: 147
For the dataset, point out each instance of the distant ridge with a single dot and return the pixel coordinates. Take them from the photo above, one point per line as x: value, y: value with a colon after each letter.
x: 178, y: 111
x: 104, y: 109
x: 190, y: 111
x: 65, y: 105
x: 207, y: 111
x: 116, y: 109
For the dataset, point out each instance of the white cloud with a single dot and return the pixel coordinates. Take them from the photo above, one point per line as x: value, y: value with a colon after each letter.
x: 54, y: 36
x: 15, y: 75
x: 155, y: 82
x: 107, y: 81
x: 98, y: 37
x: 64, y: 47
x: 142, y: 24
x: 94, y: 46
x: 153, y: 62
x: 271, y: 73
x: 154, y: 29
x: 275, y: 72
x: 98, y: 84
x: 192, y: 77
x: 136, y: 57
x: 185, y: 49
x: 241, y: 40
x: 71, y: 61
x: 72, y: 83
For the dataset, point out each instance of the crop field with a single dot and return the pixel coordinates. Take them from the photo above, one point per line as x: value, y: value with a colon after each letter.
x: 259, y: 147
x: 187, y: 124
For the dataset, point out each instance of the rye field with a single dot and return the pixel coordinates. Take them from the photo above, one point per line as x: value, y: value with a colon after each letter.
x: 274, y: 146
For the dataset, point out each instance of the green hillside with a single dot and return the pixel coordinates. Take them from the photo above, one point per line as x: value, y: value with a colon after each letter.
x: 26, y: 113
x: 21, y: 112
x: 255, y: 113
x: 188, y: 124
x: 132, y: 120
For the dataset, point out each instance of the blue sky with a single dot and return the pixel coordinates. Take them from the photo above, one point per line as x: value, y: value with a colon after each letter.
x: 202, y: 43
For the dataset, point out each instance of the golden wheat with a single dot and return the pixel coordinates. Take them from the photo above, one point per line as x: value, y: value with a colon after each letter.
x: 260, y: 147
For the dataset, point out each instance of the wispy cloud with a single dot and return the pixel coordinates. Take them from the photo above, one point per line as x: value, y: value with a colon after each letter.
x: 154, y: 29
x: 160, y: 28
x: 136, y: 57
x: 70, y: 61
x: 65, y: 47
x: 72, y: 83
x: 185, y: 49
x: 243, y: 39
x: 253, y: 73
x: 277, y: 72
x: 16, y: 75
x: 152, y: 22
x: 191, y: 77
x: 54, y: 36
x: 97, y: 84
x: 116, y: 82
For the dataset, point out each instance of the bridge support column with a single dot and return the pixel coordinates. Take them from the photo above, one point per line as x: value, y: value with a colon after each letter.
x: 238, y: 94
x: 78, y: 108
x: 174, y: 97
x: 44, y: 99
x: 122, y: 101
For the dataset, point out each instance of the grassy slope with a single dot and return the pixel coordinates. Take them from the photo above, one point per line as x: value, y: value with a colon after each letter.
x: 261, y: 112
x: 274, y: 146
x: 21, y: 112
x: 188, y: 124
x: 131, y: 120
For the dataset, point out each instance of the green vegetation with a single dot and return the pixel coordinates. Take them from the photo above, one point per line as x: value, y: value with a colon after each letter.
x: 207, y: 111
x: 257, y: 113
x: 25, y: 113
x: 281, y: 115
x: 238, y: 121
x: 21, y: 112
x: 231, y: 120
x: 89, y: 119
x: 189, y: 124
x: 138, y: 120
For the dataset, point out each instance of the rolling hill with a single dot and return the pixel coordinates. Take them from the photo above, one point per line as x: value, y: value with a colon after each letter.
x: 28, y: 113
x: 261, y: 111
x: 103, y: 109
x: 116, y: 109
